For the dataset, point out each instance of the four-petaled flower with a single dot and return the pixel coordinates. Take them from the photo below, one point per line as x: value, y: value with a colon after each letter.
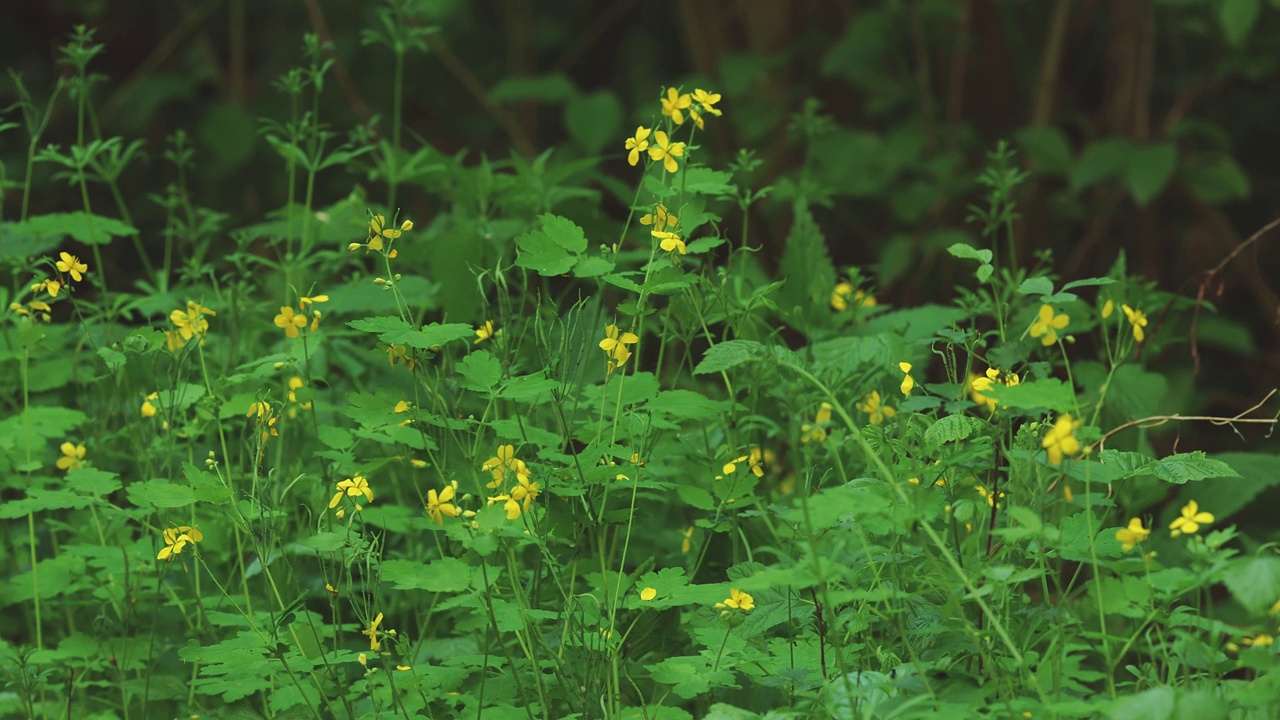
x: 372, y: 633
x: 707, y: 100
x: 1061, y: 440
x: 188, y: 323
x: 441, y: 504
x: 1047, y: 325
x: 737, y: 600
x: 1132, y: 535
x: 638, y: 144
x: 876, y: 410
x: 980, y: 385
x: 673, y: 104
x: 484, y: 332
x: 1190, y: 520
x: 504, y: 463
x: 1137, y: 319
x: 666, y: 151
x: 72, y: 456
x: 615, y: 344
x: 908, y: 382
x: 754, y: 460
x: 71, y: 265
x: 177, y: 538
x: 352, y: 487
x: 660, y: 218
x: 290, y: 321
x: 378, y: 231
x: 525, y: 492
x: 670, y: 242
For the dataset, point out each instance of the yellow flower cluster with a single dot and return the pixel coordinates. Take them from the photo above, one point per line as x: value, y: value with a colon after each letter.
x: 175, y: 539
x: 486, y: 332
x: 615, y: 345
x: 674, y: 105
x: 817, y: 431
x: 353, y: 487
x: 874, y: 407
x: 504, y: 466
x: 294, y: 322
x: 187, y: 324
x: 844, y: 291
x: 380, y: 236
x: 754, y: 459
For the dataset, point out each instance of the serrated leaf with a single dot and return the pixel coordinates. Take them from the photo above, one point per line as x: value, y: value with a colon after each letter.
x: 480, y: 371
x: 592, y: 267
x: 441, y: 575
x: 92, y: 481
x: 969, y: 252
x: 727, y: 354
x: 1190, y: 467
x: 952, y: 428
x: 40, y: 500
x: 563, y: 232
x: 160, y: 494
x: 114, y: 359
x: 1149, y: 170
x: 705, y: 181
x: 1036, y: 286
x: 79, y: 226
x: 542, y: 255
x: 1254, y: 582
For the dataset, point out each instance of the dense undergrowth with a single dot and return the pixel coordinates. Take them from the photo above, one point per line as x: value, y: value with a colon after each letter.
x: 647, y: 478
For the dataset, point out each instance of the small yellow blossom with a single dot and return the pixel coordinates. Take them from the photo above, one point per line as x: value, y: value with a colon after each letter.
x: 1132, y: 535
x: 400, y: 354
x: 149, y: 410
x: 304, y: 301
x: 372, y: 633
x: 378, y: 231
x: 404, y: 668
x: 484, y: 332
x: 71, y: 265
x: 980, y: 385
x: 187, y: 324
x: 817, y: 432
x: 615, y: 344
x: 660, y: 218
x: 686, y: 544
x: 673, y: 104
x: 1275, y: 609
x: 1047, y: 325
x: 1061, y: 439
x: 402, y: 407
x: 352, y: 487
x: 1137, y: 320
x: 266, y: 418
x: 1108, y: 308
x: 441, y: 504
x: 50, y: 286
x: 177, y: 538
x: 875, y: 409
x: 670, y: 242
x: 1190, y: 520
x: 363, y: 659
x: 843, y: 291
x: 707, y: 100
x: 72, y: 456
x: 504, y: 464
x: 737, y: 600
x: 525, y: 492
x: 290, y: 321
x: 754, y: 460
x: 648, y: 594
x: 991, y: 497
x: 666, y: 151
x: 637, y: 144
x: 908, y: 382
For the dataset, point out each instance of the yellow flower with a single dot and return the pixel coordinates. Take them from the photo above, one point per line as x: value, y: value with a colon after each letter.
x: 754, y: 460
x: 1275, y: 609
x: 1047, y: 325
x: 304, y: 301
x: 615, y: 344
x: 660, y: 218
x: 149, y: 410
x: 71, y: 265
x: 372, y: 633
x: 637, y: 144
x: 1190, y: 520
x: 1132, y: 535
x: 188, y: 323
x: 352, y: 487
x: 378, y: 231
x: 525, y: 492
x: 400, y: 353
x: 908, y: 382
x: 1137, y: 319
x: 50, y: 286
x: 290, y: 321
x: 671, y: 242
x: 1108, y: 308
x: 441, y: 504
x: 707, y: 100
x: 648, y: 594
x: 504, y: 463
x: 177, y: 538
x: 990, y: 497
x: 266, y: 418
x: 72, y: 456
x: 1061, y: 439
x: 484, y: 332
x: 738, y: 600
x: 508, y: 503
x: 672, y: 105
x: 874, y: 408
x: 404, y: 668
x: 686, y: 543
x: 980, y: 385
x: 666, y: 151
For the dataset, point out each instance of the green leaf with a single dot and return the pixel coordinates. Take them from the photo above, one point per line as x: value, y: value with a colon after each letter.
x: 1149, y: 170
x: 114, y: 359
x: 1167, y: 703
x: 1237, y: 18
x: 160, y: 494
x: 1102, y: 160
x: 1190, y: 467
x: 92, y: 481
x: 441, y: 575
x: 1047, y: 148
x: 547, y: 88
x: 563, y: 232
x: 79, y: 226
x: 705, y: 181
x: 726, y: 355
x: 540, y: 253
x: 595, y: 120
x: 394, y: 331
x: 1254, y: 582
x: 1215, y: 177
x: 480, y: 371
x: 806, y: 266
x: 39, y: 500
x: 1036, y: 286
x: 529, y: 388
x: 969, y: 252
x: 952, y: 428
x: 592, y: 267
x: 1046, y: 393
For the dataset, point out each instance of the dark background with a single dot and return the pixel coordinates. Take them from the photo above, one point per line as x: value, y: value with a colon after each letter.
x: 918, y: 91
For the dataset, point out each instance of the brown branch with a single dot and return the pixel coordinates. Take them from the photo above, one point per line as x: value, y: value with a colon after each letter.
x: 1213, y: 277
x: 1158, y: 420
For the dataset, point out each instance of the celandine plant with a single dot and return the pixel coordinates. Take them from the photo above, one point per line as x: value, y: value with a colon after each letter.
x: 642, y: 480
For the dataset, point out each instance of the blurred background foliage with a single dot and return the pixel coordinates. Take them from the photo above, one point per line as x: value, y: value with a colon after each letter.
x: 1148, y: 126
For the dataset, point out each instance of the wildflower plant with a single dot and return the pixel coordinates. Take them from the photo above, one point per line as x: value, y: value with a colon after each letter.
x: 528, y: 456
